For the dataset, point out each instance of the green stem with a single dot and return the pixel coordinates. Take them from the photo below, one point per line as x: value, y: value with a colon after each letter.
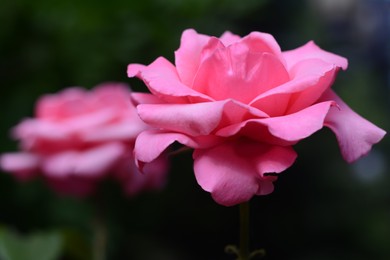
x: 100, y: 239
x: 244, y: 231
x: 99, y: 227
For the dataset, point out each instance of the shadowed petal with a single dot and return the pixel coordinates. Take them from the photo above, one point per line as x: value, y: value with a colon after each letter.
x: 233, y: 172
x: 145, y: 98
x: 151, y: 143
x: 133, y: 181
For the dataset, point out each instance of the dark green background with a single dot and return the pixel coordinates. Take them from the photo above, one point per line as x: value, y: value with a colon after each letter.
x: 322, y: 208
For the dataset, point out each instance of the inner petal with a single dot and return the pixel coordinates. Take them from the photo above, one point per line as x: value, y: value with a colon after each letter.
x: 237, y: 73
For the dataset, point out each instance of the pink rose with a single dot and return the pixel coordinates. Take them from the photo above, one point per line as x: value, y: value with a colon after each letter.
x: 79, y: 137
x: 242, y: 104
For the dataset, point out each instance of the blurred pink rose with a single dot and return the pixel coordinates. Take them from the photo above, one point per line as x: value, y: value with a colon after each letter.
x: 79, y: 137
x: 242, y: 104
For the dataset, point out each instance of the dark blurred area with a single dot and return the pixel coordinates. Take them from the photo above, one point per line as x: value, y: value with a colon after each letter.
x: 322, y: 208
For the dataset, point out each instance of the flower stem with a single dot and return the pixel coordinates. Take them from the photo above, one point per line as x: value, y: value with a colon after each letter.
x: 244, y: 231
x: 99, y: 226
x: 100, y: 239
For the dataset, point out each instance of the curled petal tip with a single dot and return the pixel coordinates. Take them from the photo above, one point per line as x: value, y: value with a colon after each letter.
x: 134, y: 69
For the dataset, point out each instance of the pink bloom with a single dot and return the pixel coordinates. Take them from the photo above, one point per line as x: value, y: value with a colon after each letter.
x: 242, y: 104
x: 79, y: 137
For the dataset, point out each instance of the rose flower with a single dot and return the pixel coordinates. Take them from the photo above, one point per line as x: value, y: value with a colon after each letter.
x: 241, y: 104
x: 79, y: 137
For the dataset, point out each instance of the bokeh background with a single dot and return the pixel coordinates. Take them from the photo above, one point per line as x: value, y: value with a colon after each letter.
x: 322, y: 208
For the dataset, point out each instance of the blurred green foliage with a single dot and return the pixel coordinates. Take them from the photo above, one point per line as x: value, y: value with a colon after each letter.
x: 45, y: 246
x: 322, y: 208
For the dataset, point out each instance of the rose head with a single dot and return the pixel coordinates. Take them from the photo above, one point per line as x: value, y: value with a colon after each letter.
x: 78, y: 137
x: 242, y: 104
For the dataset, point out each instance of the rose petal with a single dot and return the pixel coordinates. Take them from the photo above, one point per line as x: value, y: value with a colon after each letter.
x: 51, y: 136
x: 125, y: 131
x: 22, y: 165
x: 113, y: 94
x: 228, y: 38
x: 134, y: 70
x: 314, y: 77
x: 300, y: 125
x: 55, y: 106
x: 39, y: 136
x: 233, y: 172
x: 151, y: 143
x: 355, y: 134
x: 309, y: 79
x: 311, y: 51
x: 145, y: 98
x: 30, y: 129
x: 163, y: 81
x: 93, y: 162
x: 263, y: 43
x: 187, y: 57
x: 194, y: 119
x: 237, y: 73
x: 290, y: 128
x: 254, y: 130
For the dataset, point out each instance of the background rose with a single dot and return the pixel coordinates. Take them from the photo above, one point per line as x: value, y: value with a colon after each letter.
x: 241, y: 103
x: 79, y: 137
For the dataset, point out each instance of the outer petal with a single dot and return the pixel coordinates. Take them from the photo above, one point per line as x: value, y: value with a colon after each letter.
x: 163, y: 81
x: 23, y: 165
x: 92, y: 163
x: 145, y: 98
x: 234, y: 172
x: 290, y: 128
x: 299, y: 125
x: 151, y: 143
x: 192, y: 119
x: 196, y: 119
x: 311, y: 51
x: 355, y: 134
